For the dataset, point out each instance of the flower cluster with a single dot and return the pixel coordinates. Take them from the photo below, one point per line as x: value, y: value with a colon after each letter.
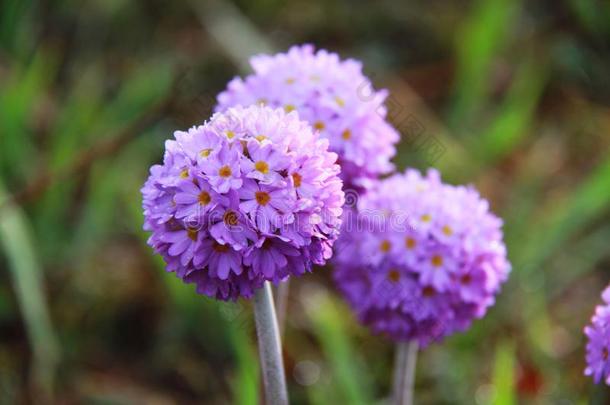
x: 420, y: 259
x: 251, y: 195
x: 598, y: 346
x: 333, y: 96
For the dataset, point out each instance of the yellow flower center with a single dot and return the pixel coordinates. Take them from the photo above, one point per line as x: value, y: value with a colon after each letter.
x: 437, y: 261
x: 262, y: 198
x: 428, y: 291
x: 410, y: 243
x: 230, y: 134
x: 205, y: 153
x: 184, y: 173
x: 297, y: 179
x: 347, y: 134
x: 447, y: 230
x: 192, y: 234
x: 261, y: 101
x: 394, y: 276
x: 426, y: 218
x: 385, y: 246
x: 319, y: 125
x: 204, y: 198
x: 230, y: 218
x: 260, y: 138
x: 289, y: 107
x: 225, y: 171
x: 262, y: 166
x: 290, y: 80
x: 340, y: 102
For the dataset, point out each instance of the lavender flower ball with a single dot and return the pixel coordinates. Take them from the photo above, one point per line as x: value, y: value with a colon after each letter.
x: 333, y: 96
x: 252, y: 195
x: 598, y: 345
x: 419, y: 259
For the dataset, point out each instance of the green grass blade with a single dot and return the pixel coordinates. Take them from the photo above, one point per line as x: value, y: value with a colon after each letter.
x: 566, y: 217
x: 347, y: 367
x: 514, y: 116
x: 483, y: 37
x: 19, y: 247
x: 504, y: 374
x: 245, y: 384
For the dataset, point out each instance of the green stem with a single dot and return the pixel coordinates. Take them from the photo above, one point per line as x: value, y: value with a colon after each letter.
x: 269, y: 346
x: 404, y: 372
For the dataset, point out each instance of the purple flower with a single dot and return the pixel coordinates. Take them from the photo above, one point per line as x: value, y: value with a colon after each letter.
x: 332, y: 95
x: 220, y: 259
x: 194, y: 198
x: 436, y: 267
x: 227, y: 210
x: 229, y: 225
x: 265, y: 163
x: 269, y: 256
x: 183, y: 243
x: 268, y: 207
x: 421, y: 259
x: 222, y: 170
x: 598, y: 345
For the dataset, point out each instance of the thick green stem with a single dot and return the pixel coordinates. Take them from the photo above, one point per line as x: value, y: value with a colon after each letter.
x: 404, y: 372
x: 281, y: 305
x: 270, y: 348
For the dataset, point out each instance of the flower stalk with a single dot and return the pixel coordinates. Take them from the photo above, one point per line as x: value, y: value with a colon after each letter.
x: 404, y: 372
x: 281, y: 305
x: 269, y: 346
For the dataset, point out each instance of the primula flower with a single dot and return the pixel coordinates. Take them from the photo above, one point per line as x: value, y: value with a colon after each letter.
x: 332, y: 95
x: 598, y: 345
x: 269, y: 207
x: 265, y: 163
x: 421, y: 259
x: 194, y: 198
x: 225, y: 211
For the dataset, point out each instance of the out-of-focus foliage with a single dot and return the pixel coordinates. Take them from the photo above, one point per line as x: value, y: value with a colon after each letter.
x: 512, y: 96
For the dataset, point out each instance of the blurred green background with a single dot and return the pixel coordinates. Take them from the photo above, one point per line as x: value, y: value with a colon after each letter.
x: 512, y: 96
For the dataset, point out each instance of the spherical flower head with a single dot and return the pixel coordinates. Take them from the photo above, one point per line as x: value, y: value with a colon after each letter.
x: 598, y: 345
x: 418, y: 259
x: 252, y: 195
x: 333, y: 96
